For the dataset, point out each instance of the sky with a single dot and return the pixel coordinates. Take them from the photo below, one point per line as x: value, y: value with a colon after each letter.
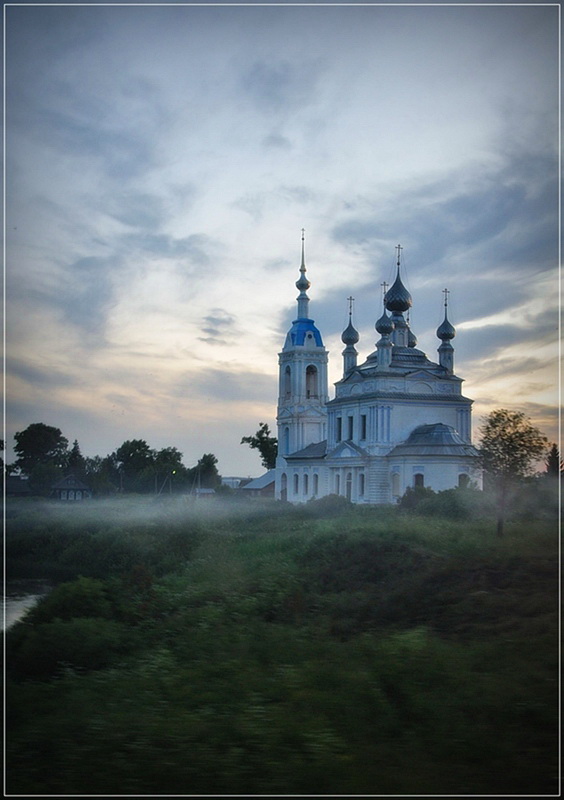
x: 161, y: 161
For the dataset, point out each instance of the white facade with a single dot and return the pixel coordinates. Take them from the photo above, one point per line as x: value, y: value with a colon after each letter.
x: 397, y: 420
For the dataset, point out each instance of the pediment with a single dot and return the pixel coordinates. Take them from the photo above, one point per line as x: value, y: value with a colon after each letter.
x: 302, y: 411
x: 347, y: 450
x: 420, y: 375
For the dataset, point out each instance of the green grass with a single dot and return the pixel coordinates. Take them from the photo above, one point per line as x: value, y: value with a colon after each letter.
x: 310, y: 651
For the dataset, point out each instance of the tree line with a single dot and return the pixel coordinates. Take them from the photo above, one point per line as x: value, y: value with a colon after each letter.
x: 43, y: 456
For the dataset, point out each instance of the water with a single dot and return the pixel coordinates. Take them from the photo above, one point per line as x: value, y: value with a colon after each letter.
x: 19, y: 597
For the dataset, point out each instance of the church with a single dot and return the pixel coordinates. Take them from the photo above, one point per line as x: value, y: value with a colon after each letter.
x: 398, y: 420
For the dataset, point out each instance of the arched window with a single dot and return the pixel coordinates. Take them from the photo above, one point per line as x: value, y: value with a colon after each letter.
x: 283, y: 487
x: 296, y: 483
x: 288, y: 382
x: 316, y: 484
x: 463, y: 480
x: 361, y: 485
x: 418, y: 479
x: 306, y: 484
x: 311, y: 381
x: 348, y: 486
x: 286, y: 441
x: 337, y: 484
x: 395, y: 484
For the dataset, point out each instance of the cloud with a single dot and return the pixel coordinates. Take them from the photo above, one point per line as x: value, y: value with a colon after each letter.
x: 219, y: 325
x: 279, y: 85
x: 223, y: 386
x: 277, y: 142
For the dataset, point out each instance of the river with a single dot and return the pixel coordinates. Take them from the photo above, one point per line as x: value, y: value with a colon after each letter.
x: 21, y: 595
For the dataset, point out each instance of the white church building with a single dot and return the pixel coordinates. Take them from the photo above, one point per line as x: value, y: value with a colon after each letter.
x: 397, y: 420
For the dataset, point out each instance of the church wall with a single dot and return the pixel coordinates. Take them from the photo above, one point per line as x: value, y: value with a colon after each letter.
x: 438, y: 474
x: 391, y: 422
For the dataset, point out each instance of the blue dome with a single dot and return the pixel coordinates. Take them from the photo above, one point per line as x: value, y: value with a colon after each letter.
x: 303, y: 330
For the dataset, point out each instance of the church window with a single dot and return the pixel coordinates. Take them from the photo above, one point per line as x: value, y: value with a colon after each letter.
x: 296, y: 483
x: 63, y: 494
x: 339, y: 429
x: 316, y: 484
x: 337, y: 484
x: 361, y: 484
x: 306, y: 484
x: 351, y: 427
x: 311, y: 382
x: 286, y: 441
x: 463, y: 480
x: 395, y: 484
x: 418, y: 479
x: 288, y: 382
x: 363, y: 426
x: 348, y: 486
x: 284, y: 487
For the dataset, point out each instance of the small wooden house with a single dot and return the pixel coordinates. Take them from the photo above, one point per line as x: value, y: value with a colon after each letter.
x: 70, y: 488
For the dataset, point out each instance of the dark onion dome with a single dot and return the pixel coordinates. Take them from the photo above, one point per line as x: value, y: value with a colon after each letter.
x: 397, y: 297
x: 350, y: 335
x: 384, y: 325
x: 411, y: 338
x: 445, y: 330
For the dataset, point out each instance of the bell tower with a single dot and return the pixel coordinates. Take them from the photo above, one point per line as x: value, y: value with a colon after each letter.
x: 303, y: 390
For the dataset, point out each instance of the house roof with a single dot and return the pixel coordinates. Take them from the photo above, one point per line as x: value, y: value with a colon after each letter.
x: 262, y: 482
x: 315, y: 450
x: 70, y: 482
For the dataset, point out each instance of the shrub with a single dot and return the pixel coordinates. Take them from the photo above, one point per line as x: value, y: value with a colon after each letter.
x: 47, y: 649
x: 85, y: 597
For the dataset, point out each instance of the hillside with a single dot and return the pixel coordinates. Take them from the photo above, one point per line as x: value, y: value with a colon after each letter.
x: 325, y: 649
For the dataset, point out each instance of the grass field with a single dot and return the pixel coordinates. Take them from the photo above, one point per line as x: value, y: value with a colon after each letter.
x: 266, y: 649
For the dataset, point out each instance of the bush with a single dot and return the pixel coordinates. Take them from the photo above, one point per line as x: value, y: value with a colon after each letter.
x: 48, y: 649
x: 85, y: 597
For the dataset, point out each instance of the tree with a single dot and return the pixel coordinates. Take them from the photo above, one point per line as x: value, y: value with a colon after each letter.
x: 266, y: 444
x: 169, y: 470
x: 510, y: 446
x: 40, y: 444
x: 76, y: 462
x: 205, y: 475
x: 553, y: 463
x: 133, y: 458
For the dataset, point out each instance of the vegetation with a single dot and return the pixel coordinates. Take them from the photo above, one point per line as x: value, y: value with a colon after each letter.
x: 510, y: 445
x: 44, y: 458
x: 261, y: 648
x: 266, y: 444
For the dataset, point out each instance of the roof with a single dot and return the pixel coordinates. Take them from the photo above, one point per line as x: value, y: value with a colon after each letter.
x: 300, y: 330
x: 315, y: 450
x: 70, y: 482
x: 17, y: 485
x: 436, y: 439
x: 262, y: 482
x: 428, y: 397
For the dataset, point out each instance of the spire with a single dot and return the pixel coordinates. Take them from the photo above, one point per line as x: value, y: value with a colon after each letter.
x: 349, y: 337
x: 446, y: 332
x: 398, y: 298
x: 350, y: 334
x: 303, y: 285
